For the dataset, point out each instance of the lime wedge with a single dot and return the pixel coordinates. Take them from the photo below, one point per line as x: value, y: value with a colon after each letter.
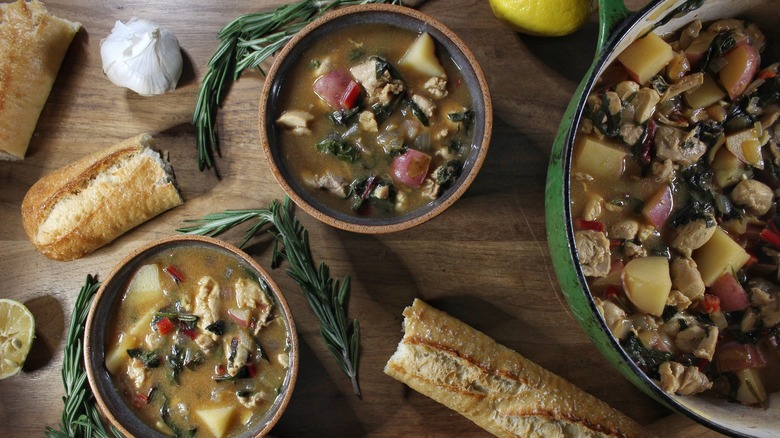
x: 17, y: 330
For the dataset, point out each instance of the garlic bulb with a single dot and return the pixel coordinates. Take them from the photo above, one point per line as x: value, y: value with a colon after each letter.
x: 142, y: 57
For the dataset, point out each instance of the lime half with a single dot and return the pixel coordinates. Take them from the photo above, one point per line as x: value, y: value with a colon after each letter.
x: 17, y: 330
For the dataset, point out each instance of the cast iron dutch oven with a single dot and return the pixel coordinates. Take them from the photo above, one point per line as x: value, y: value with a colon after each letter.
x: 618, y: 28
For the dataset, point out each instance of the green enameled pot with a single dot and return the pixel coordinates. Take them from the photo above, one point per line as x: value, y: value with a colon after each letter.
x: 618, y: 29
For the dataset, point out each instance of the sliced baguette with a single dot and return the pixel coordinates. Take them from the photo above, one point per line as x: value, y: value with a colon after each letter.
x: 33, y: 44
x: 81, y: 207
x: 493, y: 386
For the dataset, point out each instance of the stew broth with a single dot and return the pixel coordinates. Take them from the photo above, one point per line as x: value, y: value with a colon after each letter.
x: 198, y: 344
x: 368, y: 143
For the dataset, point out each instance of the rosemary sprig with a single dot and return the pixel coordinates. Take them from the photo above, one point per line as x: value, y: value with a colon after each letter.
x: 245, y: 43
x: 80, y: 417
x: 328, y: 298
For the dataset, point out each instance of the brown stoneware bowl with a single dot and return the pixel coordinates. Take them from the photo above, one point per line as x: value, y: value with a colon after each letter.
x: 107, y: 300
x: 447, y: 44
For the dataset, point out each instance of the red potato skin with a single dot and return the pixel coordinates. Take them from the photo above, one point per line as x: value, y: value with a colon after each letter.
x: 732, y: 295
x: 743, y: 61
x: 734, y: 356
x: 238, y: 318
x: 659, y: 207
x: 338, y: 89
x: 411, y: 167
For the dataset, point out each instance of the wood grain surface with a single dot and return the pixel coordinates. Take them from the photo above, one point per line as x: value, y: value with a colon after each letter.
x: 485, y: 260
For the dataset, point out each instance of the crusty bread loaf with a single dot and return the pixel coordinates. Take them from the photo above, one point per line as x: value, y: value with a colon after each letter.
x: 81, y: 207
x: 33, y: 44
x: 495, y: 387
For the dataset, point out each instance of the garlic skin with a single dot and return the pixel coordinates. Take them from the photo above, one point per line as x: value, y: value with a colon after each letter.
x: 141, y: 56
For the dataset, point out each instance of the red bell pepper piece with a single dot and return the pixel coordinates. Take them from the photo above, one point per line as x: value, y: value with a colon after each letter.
x: 611, y: 292
x: 190, y: 333
x: 350, y: 97
x: 140, y: 400
x: 770, y: 237
x: 251, y: 368
x: 175, y: 273
x: 582, y: 224
x: 711, y: 303
x: 165, y: 325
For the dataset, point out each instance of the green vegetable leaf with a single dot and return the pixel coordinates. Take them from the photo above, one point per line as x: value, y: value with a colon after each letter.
x: 646, y: 358
x: 339, y: 148
x: 150, y: 359
x: 418, y: 112
x: 465, y: 118
x: 448, y: 173
x: 722, y: 43
x: 343, y: 116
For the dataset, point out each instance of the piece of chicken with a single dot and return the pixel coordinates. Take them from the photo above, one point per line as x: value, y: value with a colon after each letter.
x: 207, y: 302
x: 593, y: 251
x: 679, y: 379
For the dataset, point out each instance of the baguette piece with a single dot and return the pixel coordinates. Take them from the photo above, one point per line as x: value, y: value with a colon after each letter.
x: 493, y: 386
x: 81, y: 207
x: 33, y: 44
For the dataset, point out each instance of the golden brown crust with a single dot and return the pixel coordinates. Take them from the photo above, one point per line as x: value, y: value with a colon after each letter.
x: 503, y: 392
x: 33, y: 44
x: 81, y: 207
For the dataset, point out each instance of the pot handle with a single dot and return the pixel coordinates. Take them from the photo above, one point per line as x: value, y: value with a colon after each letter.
x: 611, y: 13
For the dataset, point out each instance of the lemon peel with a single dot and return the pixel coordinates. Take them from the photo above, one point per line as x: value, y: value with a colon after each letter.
x: 17, y: 330
x: 543, y: 17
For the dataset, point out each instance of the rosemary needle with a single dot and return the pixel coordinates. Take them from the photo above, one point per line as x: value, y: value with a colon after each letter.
x: 245, y: 43
x: 328, y: 298
x: 80, y: 417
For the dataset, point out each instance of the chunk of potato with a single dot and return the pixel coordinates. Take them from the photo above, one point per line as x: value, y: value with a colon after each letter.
x: 116, y: 357
x: 746, y: 146
x: 647, y: 283
x: 143, y: 325
x: 751, y: 389
x: 145, y: 288
x: 728, y: 168
x: 599, y: 159
x: 645, y: 57
x: 741, y: 65
x: 216, y: 420
x: 421, y: 57
x: 705, y: 94
x: 720, y: 254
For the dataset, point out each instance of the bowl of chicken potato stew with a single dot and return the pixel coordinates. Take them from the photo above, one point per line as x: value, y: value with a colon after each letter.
x: 375, y: 118
x: 662, y: 208
x: 189, y: 336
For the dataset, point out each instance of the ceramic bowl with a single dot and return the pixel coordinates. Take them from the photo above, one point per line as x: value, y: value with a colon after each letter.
x: 448, y: 44
x: 617, y: 33
x: 106, y: 301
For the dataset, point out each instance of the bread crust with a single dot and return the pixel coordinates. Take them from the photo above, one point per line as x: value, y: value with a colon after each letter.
x: 33, y: 44
x: 495, y: 387
x: 133, y: 187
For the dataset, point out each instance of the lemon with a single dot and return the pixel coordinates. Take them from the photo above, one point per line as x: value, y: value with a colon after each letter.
x: 17, y: 329
x: 543, y: 17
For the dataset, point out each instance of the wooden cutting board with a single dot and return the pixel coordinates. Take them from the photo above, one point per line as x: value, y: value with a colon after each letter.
x: 484, y: 261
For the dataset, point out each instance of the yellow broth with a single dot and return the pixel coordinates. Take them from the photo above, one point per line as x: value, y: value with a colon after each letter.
x: 444, y: 140
x: 203, y: 396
